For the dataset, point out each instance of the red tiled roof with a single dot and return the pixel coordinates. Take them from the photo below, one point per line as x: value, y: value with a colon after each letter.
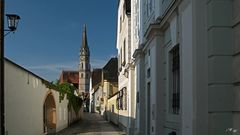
x: 70, y: 77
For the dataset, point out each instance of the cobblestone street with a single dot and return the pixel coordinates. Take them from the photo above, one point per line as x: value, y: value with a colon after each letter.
x: 92, y: 124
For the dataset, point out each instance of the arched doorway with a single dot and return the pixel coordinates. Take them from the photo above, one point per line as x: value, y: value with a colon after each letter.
x: 49, y: 114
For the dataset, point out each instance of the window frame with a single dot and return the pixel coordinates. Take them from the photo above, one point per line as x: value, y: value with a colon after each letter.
x: 171, y: 116
x: 121, y: 100
x: 175, y: 79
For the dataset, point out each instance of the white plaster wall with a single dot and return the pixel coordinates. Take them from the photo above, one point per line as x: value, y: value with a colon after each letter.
x: 123, y: 81
x: 187, y: 71
x: 140, y: 81
x: 62, y: 111
x: 97, y: 98
x: 113, y: 111
x: 24, y: 99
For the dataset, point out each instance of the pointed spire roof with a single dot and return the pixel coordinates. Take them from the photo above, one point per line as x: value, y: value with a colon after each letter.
x: 84, y: 47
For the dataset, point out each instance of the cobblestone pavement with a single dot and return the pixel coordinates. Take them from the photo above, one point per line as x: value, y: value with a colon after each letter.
x: 92, y: 124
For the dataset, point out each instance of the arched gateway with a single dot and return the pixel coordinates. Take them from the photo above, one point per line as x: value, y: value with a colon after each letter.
x: 49, y: 114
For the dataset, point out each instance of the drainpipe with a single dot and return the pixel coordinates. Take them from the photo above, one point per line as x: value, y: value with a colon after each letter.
x: 2, y: 119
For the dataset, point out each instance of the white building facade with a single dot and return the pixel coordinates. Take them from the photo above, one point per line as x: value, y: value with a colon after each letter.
x: 185, y: 60
x: 126, y: 98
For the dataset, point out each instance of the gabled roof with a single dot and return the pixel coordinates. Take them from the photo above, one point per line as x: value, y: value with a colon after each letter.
x: 70, y: 77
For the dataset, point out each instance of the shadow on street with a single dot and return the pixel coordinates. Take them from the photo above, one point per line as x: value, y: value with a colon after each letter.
x: 92, y: 124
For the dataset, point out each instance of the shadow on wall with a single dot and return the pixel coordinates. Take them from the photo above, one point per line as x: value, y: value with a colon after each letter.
x: 73, y: 117
x: 118, y: 119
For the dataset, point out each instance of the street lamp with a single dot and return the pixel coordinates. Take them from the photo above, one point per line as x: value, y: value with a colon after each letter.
x: 13, y: 20
x: 12, y: 25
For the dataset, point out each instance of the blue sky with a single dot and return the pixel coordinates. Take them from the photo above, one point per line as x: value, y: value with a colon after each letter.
x: 49, y: 34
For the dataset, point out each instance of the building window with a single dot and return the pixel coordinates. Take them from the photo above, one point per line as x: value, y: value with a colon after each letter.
x: 172, y: 133
x: 122, y: 99
x: 121, y: 53
x: 127, y: 5
x: 148, y: 8
x: 120, y: 61
x: 175, y: 80
x: 123, y: 11
x: 112, y: 108
x: 125, y: 98
x: 110, y: 90
x: 138, y: 97
x: 81, y: 75
x: 166, y: 5
x: 120, y: 24
x: 148, y: 73
x: 124, y: 53
x: 148, y: 107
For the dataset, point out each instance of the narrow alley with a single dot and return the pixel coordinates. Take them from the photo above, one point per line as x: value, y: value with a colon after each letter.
x: 92, y: 124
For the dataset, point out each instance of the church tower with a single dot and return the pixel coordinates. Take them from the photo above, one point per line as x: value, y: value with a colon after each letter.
x: 84, y: 65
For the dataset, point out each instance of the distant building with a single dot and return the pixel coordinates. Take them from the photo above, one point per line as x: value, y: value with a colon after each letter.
x: 71, y: 77
x: 96, y: 80
x: 84, y: 69
x: 109, y: 83
x: 96, y: 77
x: 81, y: 78
x: 104, y: 85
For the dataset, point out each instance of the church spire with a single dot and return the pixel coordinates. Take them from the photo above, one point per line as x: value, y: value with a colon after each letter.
x: 84, y: 64
x: 84, y: 49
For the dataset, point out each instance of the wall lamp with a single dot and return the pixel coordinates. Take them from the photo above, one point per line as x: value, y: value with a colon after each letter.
x: 13, y: 20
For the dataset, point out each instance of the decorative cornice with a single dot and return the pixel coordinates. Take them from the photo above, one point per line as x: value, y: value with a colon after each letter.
x: 138, y: 52
x: 160, y: 22
x: 151, y: 28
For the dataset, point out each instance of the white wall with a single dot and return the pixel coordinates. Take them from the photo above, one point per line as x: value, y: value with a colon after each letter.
x: 24, y: 99
x: 62, y: 112
x: 123, y: 81
x: 187, y: 71
x: 113, y: 111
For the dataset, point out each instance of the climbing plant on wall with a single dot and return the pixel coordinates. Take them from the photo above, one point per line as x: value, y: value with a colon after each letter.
x: 66, y: 89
